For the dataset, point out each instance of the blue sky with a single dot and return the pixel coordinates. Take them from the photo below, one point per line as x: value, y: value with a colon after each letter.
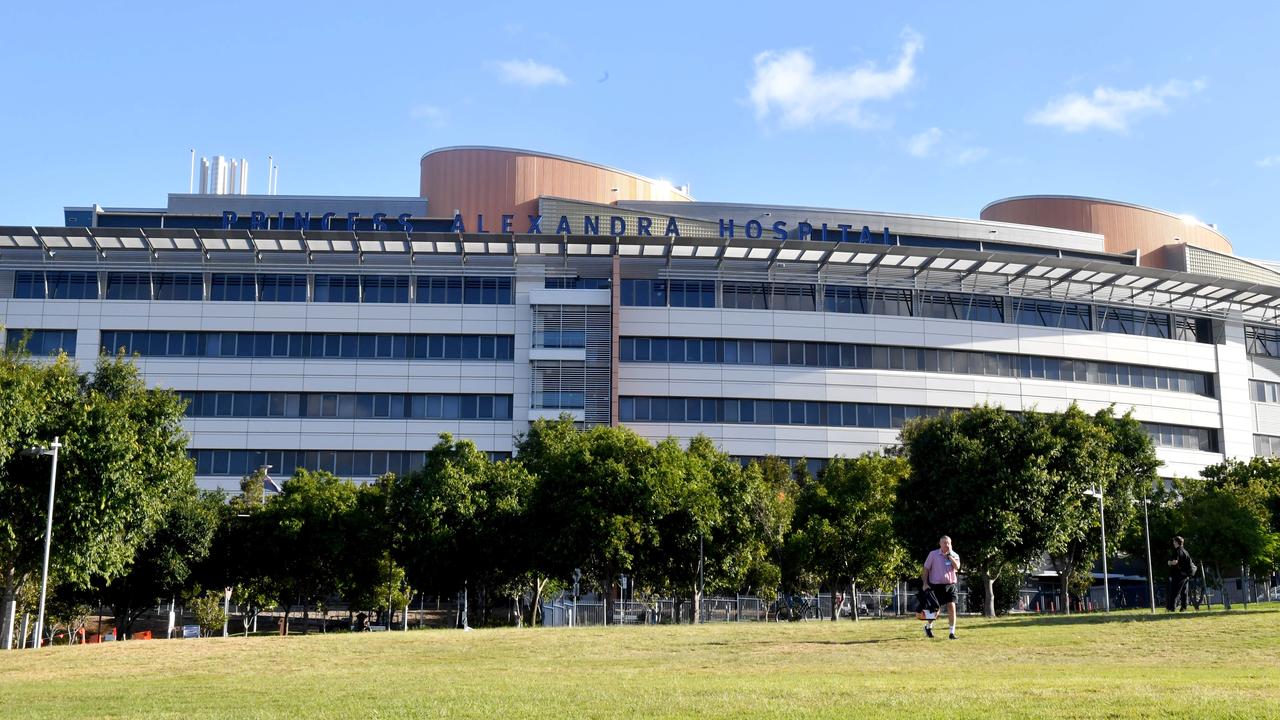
x: 931, y: 108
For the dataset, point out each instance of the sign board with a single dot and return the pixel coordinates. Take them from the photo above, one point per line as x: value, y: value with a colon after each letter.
x: 190, y: 631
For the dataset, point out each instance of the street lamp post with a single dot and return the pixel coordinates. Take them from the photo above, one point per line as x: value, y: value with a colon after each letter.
x: 1146, y: 531
x: 1106, y: 584
x: 52, y: 451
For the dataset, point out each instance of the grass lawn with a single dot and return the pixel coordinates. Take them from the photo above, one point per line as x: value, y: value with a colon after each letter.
x: 1219, y: 664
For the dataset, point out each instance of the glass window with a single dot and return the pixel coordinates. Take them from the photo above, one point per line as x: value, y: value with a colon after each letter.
x: 233, y: 288
x: 282, y: 288
x: 72, y: 285
x: 337, y: 288
x: 178, y: 286
x: 385, y: 288
x: 128, y: 286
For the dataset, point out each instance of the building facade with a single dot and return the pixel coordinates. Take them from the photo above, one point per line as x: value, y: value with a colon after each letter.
x: 347, y: 333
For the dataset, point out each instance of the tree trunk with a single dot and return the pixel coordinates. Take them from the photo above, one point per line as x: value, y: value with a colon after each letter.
x: 853, y: 600
x: 535, y: 608
x: 10, y: 609
x: 695, y: 608
x: 990, y: 583
x: 306, y: 619
x: 284, y: 623
x: 1064, y: 591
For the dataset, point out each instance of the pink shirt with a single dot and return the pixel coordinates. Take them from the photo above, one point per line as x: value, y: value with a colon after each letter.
x: 940, y: 568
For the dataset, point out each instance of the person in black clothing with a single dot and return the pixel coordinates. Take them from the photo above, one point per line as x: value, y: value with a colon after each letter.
x: 1179, y: 574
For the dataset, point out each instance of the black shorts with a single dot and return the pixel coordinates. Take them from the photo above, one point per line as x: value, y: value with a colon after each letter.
x: 944, y: 593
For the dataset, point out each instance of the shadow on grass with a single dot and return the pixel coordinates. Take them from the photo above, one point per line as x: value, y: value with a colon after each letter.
x: 1120, y: 617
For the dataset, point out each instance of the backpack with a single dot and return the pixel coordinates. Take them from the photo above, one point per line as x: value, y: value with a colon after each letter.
x: 929, y: 605
x: 1192, y: 565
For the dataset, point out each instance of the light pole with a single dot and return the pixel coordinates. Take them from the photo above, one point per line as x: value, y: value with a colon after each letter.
x: 52, y: 451
x: 1106, y: 584
x: 1146, y: 531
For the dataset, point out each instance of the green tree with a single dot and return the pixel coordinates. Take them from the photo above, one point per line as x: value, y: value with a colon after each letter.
x: 685, y: 511
x: 305, y: 531
x: 207, y: 607
x: 123, y: 459
x: 167, y: 561
x: 591, y: 498
x: 1102, y: 453
x: 980, y: 476
x: 844, y: 522
x: 775, y: 511
x: 1226, y: 526
x: 435, y: 513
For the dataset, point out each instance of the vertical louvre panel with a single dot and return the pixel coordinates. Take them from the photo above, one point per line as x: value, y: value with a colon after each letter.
x: 586, y: 385
x: 599, y: 370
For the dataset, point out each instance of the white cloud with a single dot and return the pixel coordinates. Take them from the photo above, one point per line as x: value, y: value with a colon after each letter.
x: 429, y: 114
x: 789, y: 84
x: 531, y: 73
x: 1269, y: 161
x: 966, y: 155
x: 1111, y: 109
x: 922, y: 144
x: 941, y: 143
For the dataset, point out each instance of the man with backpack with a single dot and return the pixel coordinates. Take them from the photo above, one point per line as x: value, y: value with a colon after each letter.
x: 1181, y: 570
x: 939, y: 575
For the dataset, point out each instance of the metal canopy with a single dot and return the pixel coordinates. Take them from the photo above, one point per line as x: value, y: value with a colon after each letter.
x: 939, y: 269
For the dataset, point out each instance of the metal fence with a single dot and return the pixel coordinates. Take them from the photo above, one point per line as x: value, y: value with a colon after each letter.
x: 563, y: 612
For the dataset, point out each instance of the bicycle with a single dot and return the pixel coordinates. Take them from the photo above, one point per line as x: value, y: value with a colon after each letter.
x: 792, y: 608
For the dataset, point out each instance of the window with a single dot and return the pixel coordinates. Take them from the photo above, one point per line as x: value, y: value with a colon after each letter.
x: 962, y: 306
x: 282, y: 288
x: 745, y: 296
x: 692, y: 293
x: 128, y: 286
x: 178, y: 286
x: 644, y: 293
x: 72, y: 285
x: 28, y: 284
x: 385, y: 289
x: 314, y: 345
x: 769, y: 412
x: 337, y: 288
x: 236, y: 288
x: 1134, y: 322
x: 457, y: 290
x: 1262, y: 340
x: 887, y: 357
x: 1045, y: 313
x: 42, y: 343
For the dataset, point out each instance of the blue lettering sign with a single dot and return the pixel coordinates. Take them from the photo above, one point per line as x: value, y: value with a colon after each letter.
x: 351, y: 220
x: 326, y: 220
x: 754, y: 229
x: 404, y: 222
x: 617, y: 225
x: 301, y: 220
x: 480, y: 223
x: 378, y: 225
x: 257, y: 220
x: 229, y: 218
x: 590, y: 224
x: 844, y: 232
x: 506, y: 224
x: 642, y: 226
x: 726, y: 229
x: 804, y: 230
x: 562, y: 228
x: 535, y: 224
x: 780, y: 230
x: 673, y: 230
x: 457, y: 226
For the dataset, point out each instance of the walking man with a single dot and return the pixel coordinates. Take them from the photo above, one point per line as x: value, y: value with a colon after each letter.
x: 1181, y: 569
x: 939, y: 573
